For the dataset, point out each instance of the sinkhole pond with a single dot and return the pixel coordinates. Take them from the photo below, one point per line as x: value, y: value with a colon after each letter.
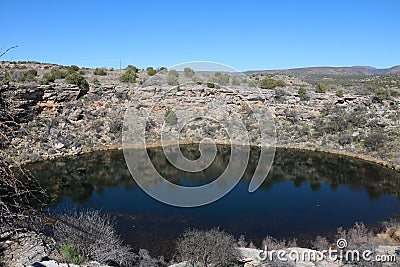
x: 305, y: 194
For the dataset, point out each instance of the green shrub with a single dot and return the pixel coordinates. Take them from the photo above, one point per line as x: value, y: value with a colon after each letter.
x: 163, y: 68
x: 73, y: 68
x: 340, y: 93
x: 48, y: 78
x: 269, y: 83
x: 210, y: 85
x: 173, y: 77
x: 174, y: 73
x: 30, y: 75
x: 151, y: 71
x: 170, y: 117
x: 99, y: 71
x: 58, y: 74
x: 132, y: 68
x: 77, y: 79
x: 129, y: 76
x: 188, y: 72
x: 302, y: 92
x: 320, y: 88
x: 207, y: 248
x: 71, y: 254
x: 96, y: 81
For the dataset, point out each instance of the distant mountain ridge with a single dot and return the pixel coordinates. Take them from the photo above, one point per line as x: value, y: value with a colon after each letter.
x: 355, y: 70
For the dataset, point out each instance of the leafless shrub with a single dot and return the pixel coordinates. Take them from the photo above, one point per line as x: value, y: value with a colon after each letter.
x: 242, y: 242
x: 320, y: 243
x: 270, y: 243
x: 206, y: 248
x: 145, y: 260
x: 94, y: 235
x: 355, y: 236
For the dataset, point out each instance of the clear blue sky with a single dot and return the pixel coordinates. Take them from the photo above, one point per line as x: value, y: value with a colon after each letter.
x: 246, y: 35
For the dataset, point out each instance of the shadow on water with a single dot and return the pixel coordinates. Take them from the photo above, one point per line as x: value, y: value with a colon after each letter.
x: 305, y: 194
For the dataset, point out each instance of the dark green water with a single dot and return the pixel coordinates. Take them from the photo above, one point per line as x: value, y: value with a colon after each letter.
x: 305, y: 194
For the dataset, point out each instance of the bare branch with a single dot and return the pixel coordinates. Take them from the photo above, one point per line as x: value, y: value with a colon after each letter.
x: 8, y: 49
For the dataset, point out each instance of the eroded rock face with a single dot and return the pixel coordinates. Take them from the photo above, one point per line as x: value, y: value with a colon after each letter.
x: 62, y: 119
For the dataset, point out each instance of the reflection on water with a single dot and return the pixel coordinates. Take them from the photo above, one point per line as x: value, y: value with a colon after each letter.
x: 306, y: 193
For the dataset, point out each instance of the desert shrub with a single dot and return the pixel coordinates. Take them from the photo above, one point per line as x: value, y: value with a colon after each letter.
x: 221, y: 78
x: 320, y: 243
x: 173, y: 77
x: 302, y: 92
x: 280, y: 93
x: 188, y: 72
x: 77, y: 79
x: 96, y: 81
x: 163, y: 68
x: 252, y: 83
x: 356, y: 236
x: 320, y: 88
x: 93, y: 235
x: 71, y: 254
x: 73, y: 68
x: 151, y: 71
x: 269, y: 83
x: 269, y: 243
x: 242, y: 242
x: 207, y: 248
x: 340, y: 93
x: 375, y: 140
x: 173, y: 73
x: 291, y: 115
x: 100, y: 72
x: 170, y: 117
x: 30, y: 75
x: 58, y: 74
x: 48, y: 78
x: 345, y: 139
x: 129, y: 75
x: 132, y: 68
x: 210, y: 85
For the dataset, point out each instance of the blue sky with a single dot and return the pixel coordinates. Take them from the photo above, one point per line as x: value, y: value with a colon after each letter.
x: 246, y: 35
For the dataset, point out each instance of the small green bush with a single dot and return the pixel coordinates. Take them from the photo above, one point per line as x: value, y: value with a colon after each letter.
x: 132, y: 68
x: 129, y: 76
x: 163, y: 68
x: 30, y: 75
x: 340, y: 93
x: 77, y: 79
x: 151, y: 71
x: 71, y: 254
x: 302, y: 92
x: 211, y: 85
x: 320, y: 88
x: 170, y: 117
x: 100, y: 72
x: 58, y: 74
x: 269, y: 83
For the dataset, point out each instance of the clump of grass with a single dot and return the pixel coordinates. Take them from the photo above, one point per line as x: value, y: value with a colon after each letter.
x: 71, y: 254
